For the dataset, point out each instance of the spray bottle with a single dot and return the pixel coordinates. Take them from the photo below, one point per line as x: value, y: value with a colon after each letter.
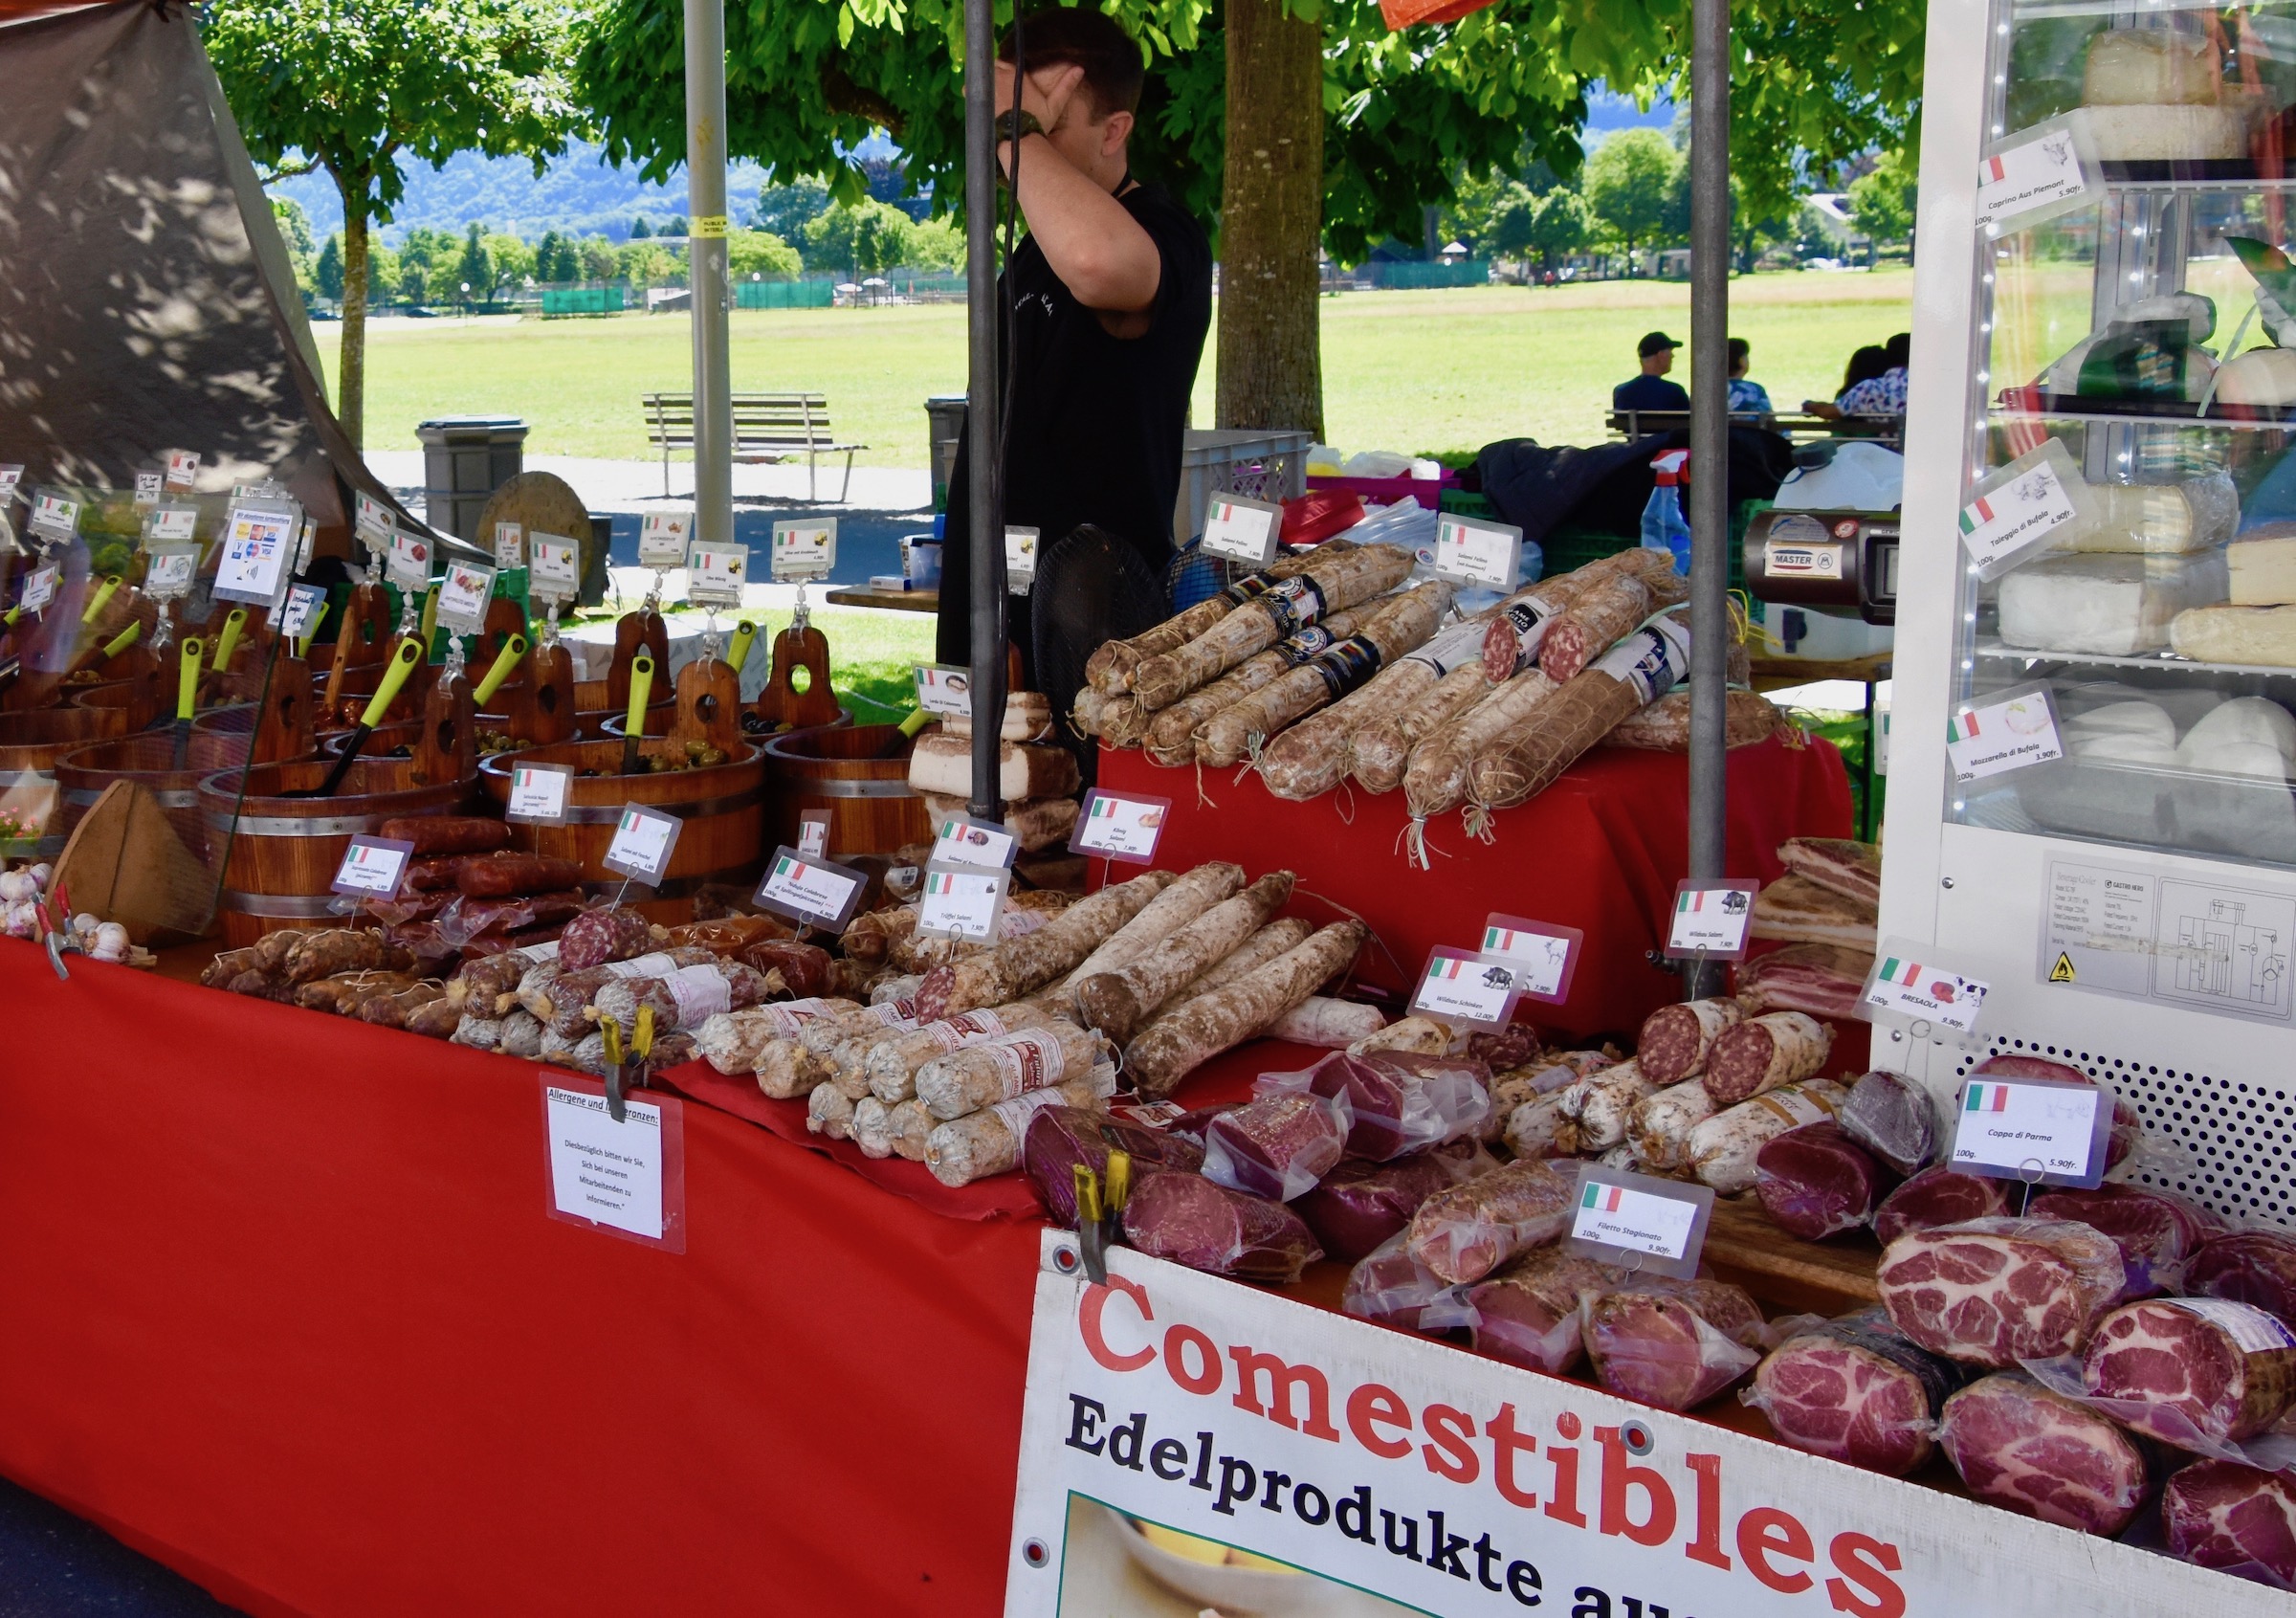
x: 1664, y: 527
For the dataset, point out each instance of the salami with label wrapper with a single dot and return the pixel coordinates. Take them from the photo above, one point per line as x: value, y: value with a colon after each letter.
x: 1325, y: 585
x: 1110, y: 669
x: 1391, y: 628
x: 1637, y: 671
x: 1170, y: 738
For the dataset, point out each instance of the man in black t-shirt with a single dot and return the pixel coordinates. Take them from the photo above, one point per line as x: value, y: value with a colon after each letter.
x: 1111, y: 296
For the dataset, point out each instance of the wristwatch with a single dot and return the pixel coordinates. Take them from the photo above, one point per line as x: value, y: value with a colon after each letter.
x: 1028, y: 127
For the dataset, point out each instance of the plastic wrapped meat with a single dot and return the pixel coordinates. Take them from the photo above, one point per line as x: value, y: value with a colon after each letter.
x: 1529, y: 1313
x: 1465, y: 1232
x: 2256, y: 1266
x: 1360, y: 1206
x: 2041, y: 1454
x: 1816, y: 1182
x: 1392, y: 1288
x: 1060, y: 1137
x: 2106, y: 606
x: 2157, y: 1232
x: 1399, y: 1102
x: 1996, y: 1292
x: 596, y: 937
x: 1196, y: 1222
x: 1856, y: 1391
x: 1674, y: 1344
x: 1891, y: 1117
x: 1823, y: 979
x: 2193, y: 1370
x: 1278, y: 1145
x: 2235, y: 1518
x: 1938, y: 1196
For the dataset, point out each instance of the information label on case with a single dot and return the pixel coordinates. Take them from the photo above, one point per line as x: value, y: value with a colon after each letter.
x: 2027, y: 176
x: 171, y: 524
x: 167, y: 571
x: 371, y: 520
x: 814, y: 891
x: 715, y: 575
x: 1712, y: 919
x: 510, y: 545
x: 1462, y: 988
x: 1543, y: 954
x: 960, y: 902
x: 628, y: 1177
x: 1119, y: 826
x: 256, y: 548
x: 1478, y: 553
x: 294, y: 616
x: 55, y: 516
x: 941, y: 689
x: 538, y: 794
x: 1908, y: 989
x: 662, y: 538
x: 644, y: 840
x: 183, y: 469
x: 372, y: 867
x: 554, y: 570
x: 39, y: 589
x: 804, y: 548
x: 961, y: 840
x: 409, y: 563
x: 463, y: 592
x: 2032, y: 1130
x: 2001, y: 522
x: 1995, y: 737
x: 9, y: 478
x: 813, y: 833
x: 1242, y: 529
x: 1657, y: 1219
x: 1020, y: 546
x: 149, y: 485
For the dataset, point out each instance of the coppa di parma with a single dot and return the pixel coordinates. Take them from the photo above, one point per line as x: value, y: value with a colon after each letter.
x: 1539, y: 1479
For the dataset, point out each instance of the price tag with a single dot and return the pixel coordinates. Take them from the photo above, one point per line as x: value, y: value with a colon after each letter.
x: 372, y: 867
x: 662, y: 537
x: 715, y: 575
x: 644, y: 840
x: 1663, y: 1221
x: 148, y: 489
x: 538, y: 794
x: 1465, y: 991
x: 257, y: 544
x: 813, y: 833
x: 2005, y: 734
x: 810, y: 890
x: 1119, y: 826
x: 961, y: 903
x: 1242, y: 529
x: 943, y: 690
x: 171, y: 524
x: 307, y: 539
x: 554, y: 573
x: 9, y: 478
x: 1020, y: 560
x: 1907, y: 989
x: 294, y: 616
x: 2035, y: 174
x: 372, y: 522
x: 962, y: 840
x: 39, y: 589
x: 463, y: 592
x: 2018, y: 508
x: 167, y: 571
x: 1710, y: 917
x: 2038, y: 1130
x: 804, y: 548
x: 626, y: 1179
x: 183, y: 468
x: 1544, y: 954
x: 510, y: 545
x: 55, y: 516
x: 1478, y: 553
x: 409, y: 563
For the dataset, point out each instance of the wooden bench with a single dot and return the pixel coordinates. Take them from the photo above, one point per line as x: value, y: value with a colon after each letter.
x: 768, y: 428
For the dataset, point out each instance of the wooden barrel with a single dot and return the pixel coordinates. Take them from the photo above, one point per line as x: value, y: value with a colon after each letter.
x: 147, y: 758
x: 31, y: 742
x: 872, y: 810
x: 723, y: 808
x: 283, y: 852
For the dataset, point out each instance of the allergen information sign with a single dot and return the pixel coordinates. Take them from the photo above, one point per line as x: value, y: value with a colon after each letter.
x: 626, y: 1179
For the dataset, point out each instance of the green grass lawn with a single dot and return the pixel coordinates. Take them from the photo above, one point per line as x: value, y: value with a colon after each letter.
x: 1414, y: 371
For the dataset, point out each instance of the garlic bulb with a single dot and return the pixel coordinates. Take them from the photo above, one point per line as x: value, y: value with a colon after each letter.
x: 111, y: 943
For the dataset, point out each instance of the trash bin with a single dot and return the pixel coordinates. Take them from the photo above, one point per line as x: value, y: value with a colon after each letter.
x: 464, y: 459
x: 944, y: 417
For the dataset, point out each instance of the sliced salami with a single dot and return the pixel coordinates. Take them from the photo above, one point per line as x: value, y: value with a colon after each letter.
x: 1778, y: 1047
x: 1676, y: 1041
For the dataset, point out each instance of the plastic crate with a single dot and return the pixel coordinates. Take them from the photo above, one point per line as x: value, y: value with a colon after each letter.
x: 1567, y: 547
x: 1465, y: 503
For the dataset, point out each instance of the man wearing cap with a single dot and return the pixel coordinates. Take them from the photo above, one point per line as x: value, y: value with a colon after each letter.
x: 1651, y: 391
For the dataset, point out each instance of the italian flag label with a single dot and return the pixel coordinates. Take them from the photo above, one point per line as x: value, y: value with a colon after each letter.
x: 1692, y: 901
x: 1498, y: 940
x: 1987, y: 1098
x: 1104, y: 808
x: 789, y: 869
x: 1446, y: 966
x: 1603, y: 1199
x: 1994, y: 171
x: 1905, y: 973
x: 1978, y: 512
x: 940, y: 882
x: 1962, y: 726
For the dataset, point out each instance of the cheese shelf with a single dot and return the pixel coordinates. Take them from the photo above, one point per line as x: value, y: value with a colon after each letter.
x: 1993, y: 648
x: 2142, y: 412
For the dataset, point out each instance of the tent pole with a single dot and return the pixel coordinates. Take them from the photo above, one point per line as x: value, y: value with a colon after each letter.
x: 983, y: 416
x: 706, y: 253
x: 1710, y: 443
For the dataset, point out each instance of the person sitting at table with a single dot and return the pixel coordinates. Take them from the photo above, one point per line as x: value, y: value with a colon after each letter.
x: 1651, y: 391
x: 1884, y: 394
x: 1747, y: 397
x: 1865, y: 364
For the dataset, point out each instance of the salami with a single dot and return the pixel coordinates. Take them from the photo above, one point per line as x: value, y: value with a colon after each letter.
x: 872, y: 1127
x: 911, y: 1126
x: 1327, y: 584
x: 1665, y: 727
x: 435, y: 1019
x: 797, y: 1065
x: 1189, y: 897
x: 1391, y: 628
x: 1676, y: 1040
x: 869, y: 936
x: 683, y: 999
x: 340, y: 995
x: 1276, y: 939
x: 830, y: 1111
x: 889, y: 1066
x: 1378, y: 753
x: 1468, y: 1230
x: 1775, y: 1048
x: 1602, y: 616
x: 1170, y: 738
x: 1110, y: 668
x: 1333, y: 1024
x: 1176, y: 1044
x: 1014, y: 970
x: 1435, y: 781
x: 1604, y: 1102
x: 962, y: 1150
x: 1120, y: 1002
x: 1723, y: 1148
x: 447, y: 833
x: 596, y: 937
x: 732, y: 1041
x: 499, y: 875
x: 1002, y: 1067
x: 1624, y: 680
x: 1311, y: 757
x: 337, y: 950
x: 1530, y: 1313
x: 1659, y: 1129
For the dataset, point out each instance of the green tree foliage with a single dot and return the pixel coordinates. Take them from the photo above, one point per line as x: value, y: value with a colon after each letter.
x: 639, y: 230
x: 295, y: 230
x: 513, y: 261
x: 474, y: 271
x: 353, y: 86
x: 1630, y: 184
x: 785, y: 210
x: 933, y: 244
x: 646, y: 262
x: 761, y: 253
x: 1880, y: 204
x: 326, y: 274
x: 1544, y: 228
x: 858, y: 238
x: 598, y: 261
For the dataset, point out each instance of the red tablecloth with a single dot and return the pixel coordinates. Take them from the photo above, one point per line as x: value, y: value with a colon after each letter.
x: 1600, y: 849
x: 284, y: 1311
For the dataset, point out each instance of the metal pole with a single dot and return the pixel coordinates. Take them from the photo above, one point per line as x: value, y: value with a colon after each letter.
x: 1710, y: 440
x: 982, y: 418
x: 705, y: 248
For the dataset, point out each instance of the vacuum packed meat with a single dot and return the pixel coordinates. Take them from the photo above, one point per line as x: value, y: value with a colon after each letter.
x: 2235, y: 1518
x: 1996, y: 1292
x: 2193, y: 1370
x: 2256, y: 1266
x: 1938, y: 1196
x: 1060, y: 1137
x: 1816, y: 1182
x: 1891, y: 1117
x: 2041, y: 1454
x: 1672, y: 1343
x: 1359, y: 1206
x: 1204, y: 1225
x: 2157, y: 1232
x: 1529, y: 1313
x: 1280, y: 1146
x: 1468, y: 1230
x: 1398, y: 1102
x: 1856, y: 1391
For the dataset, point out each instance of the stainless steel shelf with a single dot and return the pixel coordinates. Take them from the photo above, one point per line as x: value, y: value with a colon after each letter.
x: 1993, y: 648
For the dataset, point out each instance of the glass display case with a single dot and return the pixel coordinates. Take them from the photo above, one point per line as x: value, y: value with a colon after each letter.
x: 2124, y: 658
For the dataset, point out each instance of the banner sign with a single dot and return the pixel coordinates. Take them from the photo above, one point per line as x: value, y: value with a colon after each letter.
x: 1191, y: 1442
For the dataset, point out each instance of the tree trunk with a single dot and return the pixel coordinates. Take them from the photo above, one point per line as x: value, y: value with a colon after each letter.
x: 1271, y: 221
x: 351, y: 364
